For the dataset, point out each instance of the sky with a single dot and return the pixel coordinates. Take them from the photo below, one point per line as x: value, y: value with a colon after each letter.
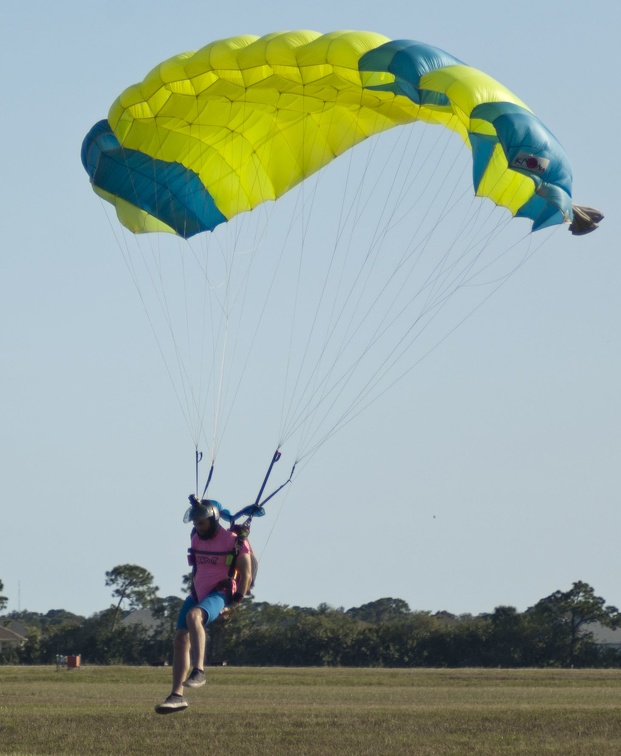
x: 488, y: 476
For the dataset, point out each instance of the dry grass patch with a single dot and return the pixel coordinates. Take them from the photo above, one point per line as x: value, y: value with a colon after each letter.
x: 109, y: 710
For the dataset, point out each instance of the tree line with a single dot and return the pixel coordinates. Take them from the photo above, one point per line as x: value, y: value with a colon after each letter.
x: 382, y: 633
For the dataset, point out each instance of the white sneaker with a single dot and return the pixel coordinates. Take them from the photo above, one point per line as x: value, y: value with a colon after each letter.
x: 172, y: 704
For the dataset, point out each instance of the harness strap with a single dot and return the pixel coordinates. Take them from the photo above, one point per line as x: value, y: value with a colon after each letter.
x: 192, y: 563
x: 242, y: 532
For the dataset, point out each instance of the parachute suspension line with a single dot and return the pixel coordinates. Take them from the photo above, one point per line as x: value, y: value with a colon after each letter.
x: 195, y: 412
x: 363, y: 402
x: 313, y: 384
x: 373, y: 250
x: 344, y: 216
x: 440, y: 299
x: 203, y: 379
x: 293, y: 389
x: 215, y: 312
x: 192, y: 410
x: 199, y: 385
x: 304, y: 219
x: 206, y: 377
x: 386, y: 366
x: 129, y: 263
x: 224, y: 350
x: 257, y: 320
x: 196, y: 408
x: 213, y: 316
x: 408, y: 254
x: 441, y: 272
x: 411, y: 180
x: 420, y: 247
x: 294, y: 405
x: 189, y: 404
x: 229, y: 305
x: 218, y: 394
x: 185, y: 379
x: 294, y: 315
x: 357, y: 208
x: 226, y: 308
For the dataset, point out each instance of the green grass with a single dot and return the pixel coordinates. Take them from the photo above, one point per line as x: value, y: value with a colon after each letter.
x: 109, y: 710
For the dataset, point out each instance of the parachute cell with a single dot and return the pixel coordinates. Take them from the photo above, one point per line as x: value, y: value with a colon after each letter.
x: 214, y: 133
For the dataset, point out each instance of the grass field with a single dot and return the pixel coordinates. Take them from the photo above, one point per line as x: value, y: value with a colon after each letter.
x: 109, y: 710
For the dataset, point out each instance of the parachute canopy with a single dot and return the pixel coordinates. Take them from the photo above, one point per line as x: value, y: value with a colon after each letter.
x: 214, y: 133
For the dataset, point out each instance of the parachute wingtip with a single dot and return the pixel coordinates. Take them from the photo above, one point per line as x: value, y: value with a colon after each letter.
x: 586, y: 219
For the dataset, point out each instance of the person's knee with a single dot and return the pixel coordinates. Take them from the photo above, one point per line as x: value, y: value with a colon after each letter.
x: 195, y: 617
x: 181, y: 641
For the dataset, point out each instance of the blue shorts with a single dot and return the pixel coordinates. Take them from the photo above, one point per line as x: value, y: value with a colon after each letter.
x: 211, y: 605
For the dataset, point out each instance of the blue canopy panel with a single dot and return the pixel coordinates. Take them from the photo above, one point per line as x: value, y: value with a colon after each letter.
x: 169, y: 192
x: 531, y: 149
x: 408, y: 61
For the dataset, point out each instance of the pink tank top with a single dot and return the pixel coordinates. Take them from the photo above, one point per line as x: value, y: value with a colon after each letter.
x: 211, y: 560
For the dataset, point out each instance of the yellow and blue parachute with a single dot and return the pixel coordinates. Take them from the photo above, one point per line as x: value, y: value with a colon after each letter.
x: 214, y: 133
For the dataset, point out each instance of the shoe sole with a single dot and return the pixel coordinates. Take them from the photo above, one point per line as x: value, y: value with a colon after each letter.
x: 170, y: 709
x: 192, y: 684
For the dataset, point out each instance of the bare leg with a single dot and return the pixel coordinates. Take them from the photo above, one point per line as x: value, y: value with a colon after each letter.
x: 195, y: 619
x: 181, y: 660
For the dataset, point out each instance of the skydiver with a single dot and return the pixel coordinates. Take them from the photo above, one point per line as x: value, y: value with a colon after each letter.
x: 215, y: 593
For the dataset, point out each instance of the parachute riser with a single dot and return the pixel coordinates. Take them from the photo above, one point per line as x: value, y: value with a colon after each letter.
x: 259, y: 503
x: 279, y: 487
x: 253, y: 509
x: 275, y: 459
x: 199, y: 457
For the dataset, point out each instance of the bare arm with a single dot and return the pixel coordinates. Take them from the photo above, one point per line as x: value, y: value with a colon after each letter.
x: 244, y: 573
x: 244, y: 578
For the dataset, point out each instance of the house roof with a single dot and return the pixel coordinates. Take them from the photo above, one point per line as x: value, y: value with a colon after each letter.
x: 7, y: 635
x: 602, y: 635
x: 15, y: 625
x: 142, y: 617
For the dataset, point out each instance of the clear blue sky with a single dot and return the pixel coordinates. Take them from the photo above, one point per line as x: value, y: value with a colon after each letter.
x: 489, y: 476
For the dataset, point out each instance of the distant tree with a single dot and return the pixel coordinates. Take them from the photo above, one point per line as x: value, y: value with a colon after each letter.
x: 133, y: 584
x: 186, y: 583
x: 94, y: 640
x: 30, y: 653
x: 165, y: 610
x: 44, y: 622
x: 510, y: 639
x: 382, y: 610
x: 3, y: 599
x: 59, y: 617
x: 563, y: 615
